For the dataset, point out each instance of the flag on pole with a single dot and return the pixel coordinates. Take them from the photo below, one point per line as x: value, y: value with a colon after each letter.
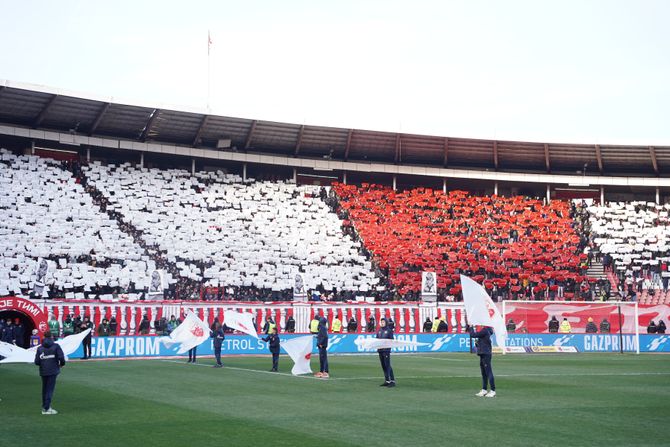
x: 300, y: 351
x: 209, y: 42
x: 240, y: 321
x: 481, y: 310
x: 189, y: 334
x: 16, y: 354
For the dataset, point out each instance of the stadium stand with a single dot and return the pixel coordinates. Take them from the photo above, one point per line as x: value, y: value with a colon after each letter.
x: 633, y: 241
x: 210, y: 229
x: 518, y: 247
x: 48, y: 216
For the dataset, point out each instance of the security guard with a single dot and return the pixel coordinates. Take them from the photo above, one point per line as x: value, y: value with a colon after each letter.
x: 314, y: 324
x: 337, y: 324
x: 50, y: 358
x: 218, y: 335
x: 269, y: 325
x: 273, y: 344
x: 436, y: 324
x: 484, y: 351
x: 386, y: 331
x: 565, y: 327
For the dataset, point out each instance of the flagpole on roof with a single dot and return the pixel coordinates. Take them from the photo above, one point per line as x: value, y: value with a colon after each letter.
x: 209, y: 45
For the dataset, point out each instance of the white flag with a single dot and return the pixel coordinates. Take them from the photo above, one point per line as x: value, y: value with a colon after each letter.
x: 16, y: 354
x: 385, y: 343
x: 240, y: 321
x: 189, y: 334
x: 481, y: 310
x: 300, y: 351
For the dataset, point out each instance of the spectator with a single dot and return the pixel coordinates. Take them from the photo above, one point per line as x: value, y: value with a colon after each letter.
x: 511, y: 326
x: 553, y: 325
x: 113, y: 326
x: 436, y: 324
x: 605, y: 326
x: 652, y: 329
x: 314, y: 324
x: 290, y: 325
x: 427, y: 325
x: 172, y: 324
x: 565, y: 327
x: 371, y: 324
x: 591, y: 327
x: 352, y: 326
x: 8, y: 332
x: 103, y: 328
x: 660, y: 328
x: 144, y: 326
x: 442, y: 325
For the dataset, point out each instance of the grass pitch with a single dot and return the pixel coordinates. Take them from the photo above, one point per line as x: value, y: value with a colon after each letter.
x: 566, y: 399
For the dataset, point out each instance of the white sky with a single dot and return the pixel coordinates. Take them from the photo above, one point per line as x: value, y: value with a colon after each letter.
x: 561, y: 71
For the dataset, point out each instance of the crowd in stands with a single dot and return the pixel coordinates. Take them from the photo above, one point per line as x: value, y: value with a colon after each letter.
x: 102, y: 231
x: 632, y: 240
x: 517, y: 247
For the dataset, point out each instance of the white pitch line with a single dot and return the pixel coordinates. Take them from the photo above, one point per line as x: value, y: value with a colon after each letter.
x: 236, y: 368
x: 445, y: 359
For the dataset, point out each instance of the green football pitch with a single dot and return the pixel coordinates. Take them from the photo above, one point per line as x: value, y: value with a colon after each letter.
x: 564, y: 399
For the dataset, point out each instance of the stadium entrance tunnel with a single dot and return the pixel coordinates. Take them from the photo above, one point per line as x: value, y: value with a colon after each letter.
x: 26, y: 321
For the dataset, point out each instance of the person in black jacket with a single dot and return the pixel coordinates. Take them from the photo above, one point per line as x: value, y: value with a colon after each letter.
x: 660, y: 327
x: 19, y: 334
x: 50, y: 358
x: 553, y: 324
x: 427, y: 325
x: 322, y: 344
x: 353, y: 325
x: 86, y: 343
x: 290, y: 325
x: 484, y: 351
x: 386, y: 331
x: 371, y: 324
x: 651, y: 329
x: 273, y: 344
x: 218, y: 335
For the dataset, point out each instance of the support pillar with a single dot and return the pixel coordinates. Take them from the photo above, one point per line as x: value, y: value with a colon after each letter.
x: 244, y: 172
x: 658, y: 195
x: 395, y: 181
x: 444, y: 186
x: 602, y: 195
x: 548, y: 193
x: 141, y: 159
x: 495, y: 189
x: 344, y: 177
x: 295, y: 176
x: 88, y: 154
x: 32, y: 147
x: 192, y: 166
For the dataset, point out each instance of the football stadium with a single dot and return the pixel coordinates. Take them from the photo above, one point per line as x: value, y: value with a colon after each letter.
x: 172, y: 275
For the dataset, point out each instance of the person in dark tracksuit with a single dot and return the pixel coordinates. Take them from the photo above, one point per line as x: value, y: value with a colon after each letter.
x: 322, y: 344
x: 192, y: 354
x: 86, y: 342
x: 484, y: 351
x: 386, y: 331
x: 50, y: 358
x: 218, y: 335
x: 273, y: 344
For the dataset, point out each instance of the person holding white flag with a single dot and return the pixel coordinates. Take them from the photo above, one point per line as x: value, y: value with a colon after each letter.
x: 386, y: 332
x: 191, y: 333
x: 481, y: 310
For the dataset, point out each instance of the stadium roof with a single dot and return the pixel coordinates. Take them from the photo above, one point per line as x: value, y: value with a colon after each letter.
x: 50, y: 109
